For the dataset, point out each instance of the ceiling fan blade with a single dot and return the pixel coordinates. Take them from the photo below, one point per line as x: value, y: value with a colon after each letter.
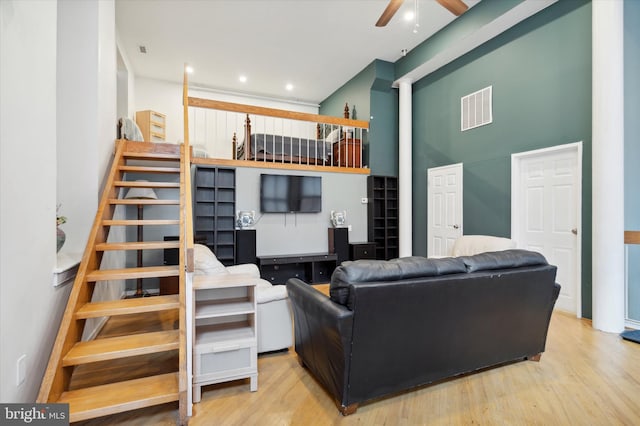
x: 457, y: 7
x: 388, y: 13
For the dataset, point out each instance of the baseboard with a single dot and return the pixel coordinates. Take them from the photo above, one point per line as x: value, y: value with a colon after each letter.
x: 629, y: 323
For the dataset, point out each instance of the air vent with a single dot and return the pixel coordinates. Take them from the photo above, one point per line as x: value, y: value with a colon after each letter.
x: 476, y: 109
x: 142, y: 49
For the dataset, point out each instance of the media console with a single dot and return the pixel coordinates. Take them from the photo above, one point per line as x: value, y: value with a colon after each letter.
x: 313, y: 268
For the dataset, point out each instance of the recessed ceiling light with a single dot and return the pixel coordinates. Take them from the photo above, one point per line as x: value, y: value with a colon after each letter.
x: 409, y: 15
x: 242, y: 78
x: 189, y: 69
x: 289, y: 87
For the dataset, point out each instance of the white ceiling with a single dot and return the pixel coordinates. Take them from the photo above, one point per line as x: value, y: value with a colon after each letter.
x: 316, y: 45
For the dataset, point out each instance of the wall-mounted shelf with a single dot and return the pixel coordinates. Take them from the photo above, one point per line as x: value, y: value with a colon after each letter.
x: 67, y: 265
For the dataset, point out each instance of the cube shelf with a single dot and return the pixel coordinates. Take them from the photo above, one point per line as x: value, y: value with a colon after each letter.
x: 382, y: 215
x: 214, y: 209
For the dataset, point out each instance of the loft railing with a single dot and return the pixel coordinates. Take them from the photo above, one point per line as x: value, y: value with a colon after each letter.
x: 232, y: 131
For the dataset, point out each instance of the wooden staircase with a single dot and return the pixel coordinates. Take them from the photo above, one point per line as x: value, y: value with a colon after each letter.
x: 69, y: 351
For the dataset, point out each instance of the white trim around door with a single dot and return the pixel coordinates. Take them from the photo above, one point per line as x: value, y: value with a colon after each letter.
x: 519, y: 211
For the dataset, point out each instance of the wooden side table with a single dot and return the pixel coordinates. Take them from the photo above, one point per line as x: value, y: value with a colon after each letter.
x: 347, y: 153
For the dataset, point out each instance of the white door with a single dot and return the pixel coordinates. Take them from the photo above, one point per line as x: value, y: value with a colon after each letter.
x: 444, y: 216
x: 546, y: 200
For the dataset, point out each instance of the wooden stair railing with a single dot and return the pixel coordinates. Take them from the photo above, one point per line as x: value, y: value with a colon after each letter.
x: 70, y: 351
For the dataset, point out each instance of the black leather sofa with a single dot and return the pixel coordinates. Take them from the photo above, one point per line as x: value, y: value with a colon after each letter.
x: 393, y: 325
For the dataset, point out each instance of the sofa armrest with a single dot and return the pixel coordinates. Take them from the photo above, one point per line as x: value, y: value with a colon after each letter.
x: 323, y: 332
x: 246, y: 268
x: 267, y: 292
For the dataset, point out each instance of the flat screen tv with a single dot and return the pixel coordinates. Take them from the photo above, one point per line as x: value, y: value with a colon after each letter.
x: 290, y: 194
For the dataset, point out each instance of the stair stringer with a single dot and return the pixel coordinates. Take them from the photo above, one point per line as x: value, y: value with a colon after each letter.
x: 56, y: 377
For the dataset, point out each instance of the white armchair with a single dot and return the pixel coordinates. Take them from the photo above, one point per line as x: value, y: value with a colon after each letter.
x: 275, y: 324
x: 468, y: 245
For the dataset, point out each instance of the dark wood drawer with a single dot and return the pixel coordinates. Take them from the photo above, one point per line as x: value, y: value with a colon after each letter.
x: 362, y: 251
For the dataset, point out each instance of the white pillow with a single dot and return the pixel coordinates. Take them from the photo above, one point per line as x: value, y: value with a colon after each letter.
x: 334, y: 136
x: 205, y: 262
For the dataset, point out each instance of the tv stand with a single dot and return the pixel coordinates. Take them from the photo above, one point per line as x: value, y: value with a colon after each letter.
x: 313, y: 268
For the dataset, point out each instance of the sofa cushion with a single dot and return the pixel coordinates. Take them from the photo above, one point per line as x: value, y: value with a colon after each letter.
x: 388, y: 270
x: 205, y: 262
x: 503, y: 260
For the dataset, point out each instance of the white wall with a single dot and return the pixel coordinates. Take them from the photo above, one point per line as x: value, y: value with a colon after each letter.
x: 30, y: 308
x: 127, y: 91
x: 292, y: 233
x: 59, y: 148
x: 163, y: 97
x: 77, y: 109
x: 166, y: 98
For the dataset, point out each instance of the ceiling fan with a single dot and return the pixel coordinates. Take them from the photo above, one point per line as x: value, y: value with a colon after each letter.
x: 457, y: 7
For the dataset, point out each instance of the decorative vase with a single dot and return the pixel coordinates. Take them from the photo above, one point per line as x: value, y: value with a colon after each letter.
x: 60, y: 238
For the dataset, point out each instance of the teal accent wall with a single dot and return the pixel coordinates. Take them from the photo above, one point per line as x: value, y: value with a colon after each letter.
x: 540, y: 71
x: 475, y: 18
x: 383, y: 123
x: 355, y: 92
x: 632, y: 147
x: 371, y: 95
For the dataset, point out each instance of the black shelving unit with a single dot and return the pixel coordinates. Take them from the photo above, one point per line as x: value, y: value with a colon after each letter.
x: 214, y: 210
x: 313, y: 268
x: 382, y: 215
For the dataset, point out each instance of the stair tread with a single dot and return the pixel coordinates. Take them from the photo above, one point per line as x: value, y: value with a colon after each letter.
x: 114, y: 398
x: 151, y: 155
x: 133, y: 222
x: 122, y: 346
x: 140, y: 184
x: 136, y: 201
x: 128, y: 306
x: 128, y: 273
x: 149, y: 169
x: 138, y: 245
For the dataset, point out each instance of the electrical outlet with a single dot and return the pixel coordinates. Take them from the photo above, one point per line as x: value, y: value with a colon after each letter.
x: 21, y: 369
x: 350, y: 228
x: 364, y: 200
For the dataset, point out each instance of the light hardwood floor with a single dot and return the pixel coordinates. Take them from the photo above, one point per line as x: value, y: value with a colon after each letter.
x: 585, y: 377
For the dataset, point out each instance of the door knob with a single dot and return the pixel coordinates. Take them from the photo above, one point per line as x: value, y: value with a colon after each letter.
x: 574, y: 231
